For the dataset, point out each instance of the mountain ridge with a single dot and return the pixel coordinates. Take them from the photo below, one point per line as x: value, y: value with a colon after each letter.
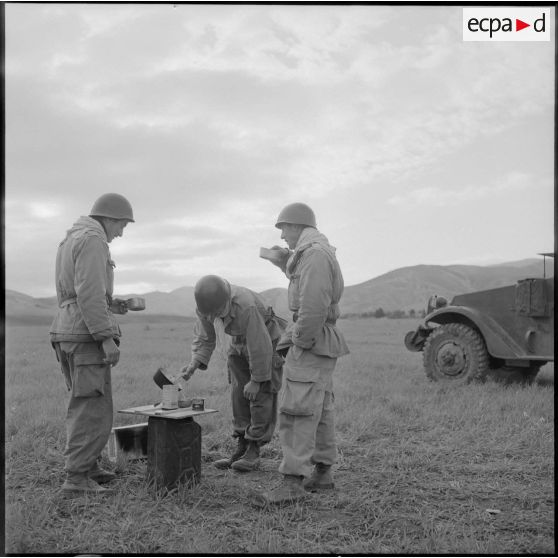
x: 406, y: 288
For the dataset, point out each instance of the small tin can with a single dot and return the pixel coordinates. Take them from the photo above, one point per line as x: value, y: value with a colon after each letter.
x: 198, y: 404
x: 170, y: 397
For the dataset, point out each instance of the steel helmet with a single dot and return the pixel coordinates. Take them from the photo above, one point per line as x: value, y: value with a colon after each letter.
x: 114, y: 206
x: 212, y: 294
x: 296, y: 214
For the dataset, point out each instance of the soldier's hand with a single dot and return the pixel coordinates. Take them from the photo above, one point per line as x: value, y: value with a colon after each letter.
x: 284, y: 252
x: 282, y: 257
x: 112, y: 353
x: 186, y: 372
x: 118, y: 306
x: 251, y: 390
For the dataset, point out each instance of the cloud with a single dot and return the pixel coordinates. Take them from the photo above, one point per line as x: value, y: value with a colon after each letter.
x: 211, y: 118
x: 45, y: 210
x: 433, y: 196
x: 313, y: 135
x: 24, y: 213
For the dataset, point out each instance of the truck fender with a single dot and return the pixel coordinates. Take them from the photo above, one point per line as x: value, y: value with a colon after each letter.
x: 498, y: 342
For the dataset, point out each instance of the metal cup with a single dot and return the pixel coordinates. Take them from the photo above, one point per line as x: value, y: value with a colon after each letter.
x: 135, y: 303
x: 170, y: 397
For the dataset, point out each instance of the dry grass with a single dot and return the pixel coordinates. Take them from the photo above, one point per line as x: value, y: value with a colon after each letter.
x: 423, y: 468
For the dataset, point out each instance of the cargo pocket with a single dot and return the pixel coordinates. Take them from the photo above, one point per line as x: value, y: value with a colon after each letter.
x: 89, y: 375
x: 298, y: 398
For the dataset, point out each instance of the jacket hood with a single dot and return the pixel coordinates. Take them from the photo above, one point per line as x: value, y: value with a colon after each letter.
x: 311, y: 236
x: 88, y: 224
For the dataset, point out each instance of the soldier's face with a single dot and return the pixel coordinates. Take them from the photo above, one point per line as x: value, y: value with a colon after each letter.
x: 114, y: 228
x: 290, y: 234
x: 221, y: 313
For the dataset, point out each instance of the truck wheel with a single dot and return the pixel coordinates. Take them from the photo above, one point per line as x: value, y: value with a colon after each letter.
x: 455, y: 353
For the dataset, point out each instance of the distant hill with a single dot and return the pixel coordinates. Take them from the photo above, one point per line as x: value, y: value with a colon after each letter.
x: 178, y: 302
x: 409, y: 287
x: 24, y: 306
x: 405, y: 288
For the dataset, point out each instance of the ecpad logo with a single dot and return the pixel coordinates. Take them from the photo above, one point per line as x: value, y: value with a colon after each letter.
x: 506, y: 24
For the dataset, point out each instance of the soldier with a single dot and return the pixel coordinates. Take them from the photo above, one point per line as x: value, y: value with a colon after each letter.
x: 85, y: 336
x: 306, y: 414
x: 255, y: 370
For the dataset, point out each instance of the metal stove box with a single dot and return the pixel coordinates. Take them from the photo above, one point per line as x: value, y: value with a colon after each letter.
x: 128, y: 442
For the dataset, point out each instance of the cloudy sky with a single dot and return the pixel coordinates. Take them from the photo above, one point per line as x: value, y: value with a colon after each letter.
x: 411, y: 145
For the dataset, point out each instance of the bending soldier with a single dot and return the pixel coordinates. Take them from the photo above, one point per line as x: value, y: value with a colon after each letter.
x: 255, y: 370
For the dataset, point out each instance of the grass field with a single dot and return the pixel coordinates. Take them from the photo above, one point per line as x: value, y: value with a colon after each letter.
x: 422, y: 468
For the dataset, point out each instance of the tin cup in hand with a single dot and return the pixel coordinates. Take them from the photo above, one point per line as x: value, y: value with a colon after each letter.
x: 136, y: 303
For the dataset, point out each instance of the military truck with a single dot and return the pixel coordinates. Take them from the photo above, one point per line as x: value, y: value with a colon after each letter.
x: 509, y: 329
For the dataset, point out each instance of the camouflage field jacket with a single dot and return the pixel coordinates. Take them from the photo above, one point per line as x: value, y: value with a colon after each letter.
x: 315, y: 289
x: 254, y: 331
x: 84, y: 285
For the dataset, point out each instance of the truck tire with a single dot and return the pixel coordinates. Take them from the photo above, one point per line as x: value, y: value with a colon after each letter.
x: 456, y: 354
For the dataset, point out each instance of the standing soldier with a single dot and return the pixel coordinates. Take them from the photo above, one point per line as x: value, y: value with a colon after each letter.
x: 255, y: 370
x: 85, y: 336
x: 306, y: 414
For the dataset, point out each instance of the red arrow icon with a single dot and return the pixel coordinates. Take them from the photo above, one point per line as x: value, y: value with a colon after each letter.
x: 519, y: 25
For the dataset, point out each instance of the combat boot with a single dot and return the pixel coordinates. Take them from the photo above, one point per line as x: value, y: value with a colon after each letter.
x: 321, y: 478
x: 289, y: 491
x: 242, y: 446
x: 250, y: 460
x: 100, y: 475
x: 79, y: 484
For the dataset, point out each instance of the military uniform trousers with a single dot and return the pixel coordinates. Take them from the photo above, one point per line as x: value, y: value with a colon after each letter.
x: 255, y: 420
x: 306, y: 413
x: 89, y: 414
